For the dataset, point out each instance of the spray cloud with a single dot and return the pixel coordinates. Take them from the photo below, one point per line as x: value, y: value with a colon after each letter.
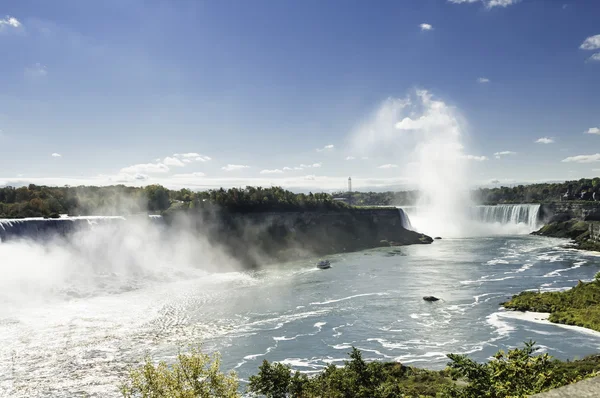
x: 424, y: 136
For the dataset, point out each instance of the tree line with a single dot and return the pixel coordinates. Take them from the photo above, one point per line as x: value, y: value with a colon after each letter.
x: 520, y: 372
x: 44, y: 201
x: 582, y: 189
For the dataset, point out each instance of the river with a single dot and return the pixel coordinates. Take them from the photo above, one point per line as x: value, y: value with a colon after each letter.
x: 78, y: 345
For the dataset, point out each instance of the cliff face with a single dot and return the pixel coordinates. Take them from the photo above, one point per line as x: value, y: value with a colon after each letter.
x: 255, y: 238
x: 259, y: 237
x: 564, y: 211
x: 579, y: 221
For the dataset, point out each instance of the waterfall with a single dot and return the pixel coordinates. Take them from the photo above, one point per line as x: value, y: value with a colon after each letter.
x: 518, y: 219
x: 508, y: 215
x: 43, y: 228
x: 404, y: 220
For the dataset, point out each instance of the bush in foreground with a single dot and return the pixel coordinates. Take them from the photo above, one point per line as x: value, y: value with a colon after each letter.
x: 517, y: 373
x: 194, y: 375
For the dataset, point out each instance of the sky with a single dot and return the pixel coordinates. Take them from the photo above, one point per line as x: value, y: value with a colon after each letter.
x: 301, y: 94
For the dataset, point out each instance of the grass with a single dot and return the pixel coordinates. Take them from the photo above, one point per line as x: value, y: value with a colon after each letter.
x: 579, y: 306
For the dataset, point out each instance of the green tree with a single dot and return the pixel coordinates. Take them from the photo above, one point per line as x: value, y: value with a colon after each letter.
x: 194, y: 375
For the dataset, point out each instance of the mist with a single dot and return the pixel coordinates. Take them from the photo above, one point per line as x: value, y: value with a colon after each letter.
x: 105, y: 257
x: 424, y: 136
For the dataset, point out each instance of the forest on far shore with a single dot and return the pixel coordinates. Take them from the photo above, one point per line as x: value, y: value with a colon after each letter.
x: 44, y: 201
x: 582, y: 189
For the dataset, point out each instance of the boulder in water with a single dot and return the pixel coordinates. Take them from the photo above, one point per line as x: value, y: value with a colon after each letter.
x: 430, y: 298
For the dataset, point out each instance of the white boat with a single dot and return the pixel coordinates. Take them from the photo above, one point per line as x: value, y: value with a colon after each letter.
x: 323, y: 264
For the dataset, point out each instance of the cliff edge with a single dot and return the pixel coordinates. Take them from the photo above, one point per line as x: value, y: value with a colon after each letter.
x: 256, y: 237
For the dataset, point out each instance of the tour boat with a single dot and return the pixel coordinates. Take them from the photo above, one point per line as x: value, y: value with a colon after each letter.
x: 323, y: 264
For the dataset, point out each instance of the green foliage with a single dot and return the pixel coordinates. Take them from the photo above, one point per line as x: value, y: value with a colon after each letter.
x: 579, y: 306
x: 194, y: 375
x: 517, y: 373
x: 42, y: 201
x: 389, y: 198
x: 537, y: 193
x: 356, y: 379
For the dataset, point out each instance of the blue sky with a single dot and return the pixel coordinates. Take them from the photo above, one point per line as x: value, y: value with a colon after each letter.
x: 185, y: 93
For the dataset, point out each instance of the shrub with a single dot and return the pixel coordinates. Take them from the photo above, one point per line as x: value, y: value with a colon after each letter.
x: 194, y: 375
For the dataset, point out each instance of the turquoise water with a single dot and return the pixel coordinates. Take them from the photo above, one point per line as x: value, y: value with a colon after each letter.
x: 294, y: 313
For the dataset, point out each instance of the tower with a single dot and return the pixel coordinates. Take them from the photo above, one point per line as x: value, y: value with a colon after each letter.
x: 349, y: 190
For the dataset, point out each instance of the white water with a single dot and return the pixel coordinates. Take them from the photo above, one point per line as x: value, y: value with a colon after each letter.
x: 519, y: 215
x: 423, y: 136
x: 405, y: 220
x: 518, y: 219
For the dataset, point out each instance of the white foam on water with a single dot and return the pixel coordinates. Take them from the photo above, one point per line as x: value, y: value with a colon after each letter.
x: 558, y: 271
x: 319, y: 325
x: 301, y: 363
x: 502, y: 328
x: 348, y: 298
x: 389, y: 345
x: 497, y: 261
x: 485, y: 279
x: 542, y: 318
x: 343, y: 346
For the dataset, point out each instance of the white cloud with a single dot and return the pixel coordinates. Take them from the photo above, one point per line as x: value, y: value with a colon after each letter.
x: 483, y: 80
x: 36, y: 71
x: 488, y: 3
x: 56, y: 155
x: 475, y: 158
x: 186, y: 161
x: 595, y: 57
x: 173, y: 162
x: 583, y: 159
x: 500, y: 3
x: 274, y: 171
x: 126, y: 178
x: 425, y: 26
x: 388, y: 166
x: 234, y: 167
x: 325, y: 148
x: 287, y: 168
x: 498, y: 155
x: 145, y: 168
x: 591, y: 43
x: 593, y: 130
x: 193, y: 155
x: 9, y: 22
x: 310, y: 177
x: 189, y: 175
x: 545, y: 140
x: 350, y: 158
x: 308, y: 166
